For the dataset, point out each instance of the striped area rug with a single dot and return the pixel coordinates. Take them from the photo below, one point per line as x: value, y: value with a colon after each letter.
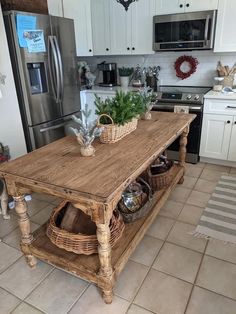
x: 218, y: 220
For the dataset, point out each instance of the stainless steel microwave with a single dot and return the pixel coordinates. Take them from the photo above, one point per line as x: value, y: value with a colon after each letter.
x: 184, y: 31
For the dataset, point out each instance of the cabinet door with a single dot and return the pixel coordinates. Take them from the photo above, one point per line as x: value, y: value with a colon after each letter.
x: 226, y: 23
x: 169, y: 6
x: 55, y: 7
x: 216, y: 132
x: 80, y: 12
x: 232, y: 146
x: 200, y: 5
x: 142, y: 26
x: 120, y: 26
x: 101, y: 27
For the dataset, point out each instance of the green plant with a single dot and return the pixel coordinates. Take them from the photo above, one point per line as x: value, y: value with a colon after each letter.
x: 122, y: 108
x: 146, y: 97
x: 125, y: 71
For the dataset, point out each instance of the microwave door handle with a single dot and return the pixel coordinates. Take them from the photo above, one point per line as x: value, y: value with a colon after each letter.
x: 206, y: 28
x: 55, y: 59
x: 60, y: 68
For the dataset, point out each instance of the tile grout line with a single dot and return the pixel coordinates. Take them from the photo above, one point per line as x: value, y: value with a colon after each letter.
x: 150, y: 267
x: 193, y: 285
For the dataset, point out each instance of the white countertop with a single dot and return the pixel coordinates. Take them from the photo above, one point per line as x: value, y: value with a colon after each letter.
x: 219, y: 95
x: 109, y: 90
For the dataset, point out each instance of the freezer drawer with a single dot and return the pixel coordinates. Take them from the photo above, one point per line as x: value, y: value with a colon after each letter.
x: 46, y: 133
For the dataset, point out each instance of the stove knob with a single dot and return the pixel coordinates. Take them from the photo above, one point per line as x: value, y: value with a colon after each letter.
x: 189, y: 97
x: 197, y: 97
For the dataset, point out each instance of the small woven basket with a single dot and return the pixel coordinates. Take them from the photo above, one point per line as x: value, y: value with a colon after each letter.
x: 142, y: 211
x: 81, y: 243
x: 159, y: 181
x: 112, y: 133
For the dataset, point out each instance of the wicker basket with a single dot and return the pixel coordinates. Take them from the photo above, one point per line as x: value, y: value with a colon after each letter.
x: 159, y: 181
x: 112, y: 133
x: 133, y: 216
x: 81, y: 243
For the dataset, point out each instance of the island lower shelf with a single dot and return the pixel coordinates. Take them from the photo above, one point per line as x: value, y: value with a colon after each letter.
x: 87, y: 267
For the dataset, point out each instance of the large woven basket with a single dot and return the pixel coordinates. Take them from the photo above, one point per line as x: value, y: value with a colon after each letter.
x: 159, y: 181
x: 81, y: 243
x: 112, y: 133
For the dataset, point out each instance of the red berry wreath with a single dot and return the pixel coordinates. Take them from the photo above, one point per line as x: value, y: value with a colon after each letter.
x: 193, y: 62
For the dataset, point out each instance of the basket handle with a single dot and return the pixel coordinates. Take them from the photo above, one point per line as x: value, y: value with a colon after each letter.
x: 148, y: 186
x: 104, y: 115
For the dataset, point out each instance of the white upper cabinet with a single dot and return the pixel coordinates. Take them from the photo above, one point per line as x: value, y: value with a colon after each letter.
x: 181, y: 6
x: 120, y: 26
x: 118, y: 32
x: 142, y: 26
x: 55, y: 7
x: 80, y: 12
x: 226, y: 23
x: 101, y: 27
x: 200, y: 5
x: 169, y: 6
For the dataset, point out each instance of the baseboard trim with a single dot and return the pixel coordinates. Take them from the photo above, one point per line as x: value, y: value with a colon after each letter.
x: 218, y: 162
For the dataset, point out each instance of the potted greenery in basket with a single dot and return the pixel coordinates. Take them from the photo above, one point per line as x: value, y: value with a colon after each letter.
x: 125, y: 74
x: 118, y: 115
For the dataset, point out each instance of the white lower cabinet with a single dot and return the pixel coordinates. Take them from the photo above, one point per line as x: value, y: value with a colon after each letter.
x: 232, y: 148
x: 216, y: 131
x: 218, y: 138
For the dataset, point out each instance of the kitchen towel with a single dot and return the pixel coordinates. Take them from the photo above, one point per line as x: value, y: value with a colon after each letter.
x: 218, y: 220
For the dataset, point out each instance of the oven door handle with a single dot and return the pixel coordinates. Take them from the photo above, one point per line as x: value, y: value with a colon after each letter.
x: 195, y: 108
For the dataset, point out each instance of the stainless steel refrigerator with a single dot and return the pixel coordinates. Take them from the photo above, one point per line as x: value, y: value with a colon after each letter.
x: 46, y: 82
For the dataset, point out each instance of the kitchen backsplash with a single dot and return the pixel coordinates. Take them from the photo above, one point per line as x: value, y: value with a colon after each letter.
x: 204, y: 76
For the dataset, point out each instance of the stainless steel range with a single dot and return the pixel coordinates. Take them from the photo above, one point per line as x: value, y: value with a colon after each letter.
x: 187, y: 96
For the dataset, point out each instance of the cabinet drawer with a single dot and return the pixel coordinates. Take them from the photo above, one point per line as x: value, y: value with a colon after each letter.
x: 225, y: 107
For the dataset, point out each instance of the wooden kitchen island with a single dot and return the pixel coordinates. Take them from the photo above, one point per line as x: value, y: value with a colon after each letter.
x: 95, y: 185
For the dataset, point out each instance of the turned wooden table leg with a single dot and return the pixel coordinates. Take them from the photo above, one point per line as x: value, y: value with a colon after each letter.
x: 182, y: 151
x: 4, y: 201
x: 104, y: 252
x: 24, y: 224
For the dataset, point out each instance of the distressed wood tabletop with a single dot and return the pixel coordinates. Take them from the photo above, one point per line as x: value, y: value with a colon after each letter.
x: 113, y: 167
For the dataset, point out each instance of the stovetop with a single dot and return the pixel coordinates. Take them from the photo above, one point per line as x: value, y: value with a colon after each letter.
x: 182, y: 94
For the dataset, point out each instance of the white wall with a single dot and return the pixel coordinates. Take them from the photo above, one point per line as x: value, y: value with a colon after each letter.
x: 11, y: 130
x: 204, y: 75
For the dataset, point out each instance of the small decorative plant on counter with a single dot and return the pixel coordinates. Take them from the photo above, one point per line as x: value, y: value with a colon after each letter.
x: 86, y: 133
x: 118, y: 115
x: 146, y: 98
x: 125, y: 74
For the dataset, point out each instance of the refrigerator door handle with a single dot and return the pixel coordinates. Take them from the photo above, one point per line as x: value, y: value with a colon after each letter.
x: 60, y: 68
x: 54, y: 127
x: 53, y: 52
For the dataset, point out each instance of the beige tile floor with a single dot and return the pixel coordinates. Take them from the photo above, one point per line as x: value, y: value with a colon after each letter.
x: 171, y: 272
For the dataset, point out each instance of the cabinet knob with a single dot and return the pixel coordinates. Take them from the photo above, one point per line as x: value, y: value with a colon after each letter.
x: 234, y: 122
x: 128, y: 48
x: 133, y: 48
x: 180, y: 5
x: 228, y: 122
x: 107, y: 49
x: 90, y: 50
x: 187, y: 5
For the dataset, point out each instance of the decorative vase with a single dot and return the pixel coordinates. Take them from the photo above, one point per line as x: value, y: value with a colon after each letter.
x: 124, y: 81
x: 87, y: 151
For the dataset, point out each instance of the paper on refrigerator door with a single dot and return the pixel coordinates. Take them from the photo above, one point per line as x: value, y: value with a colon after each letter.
x: 24, y: 22
x: 35, y: 41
